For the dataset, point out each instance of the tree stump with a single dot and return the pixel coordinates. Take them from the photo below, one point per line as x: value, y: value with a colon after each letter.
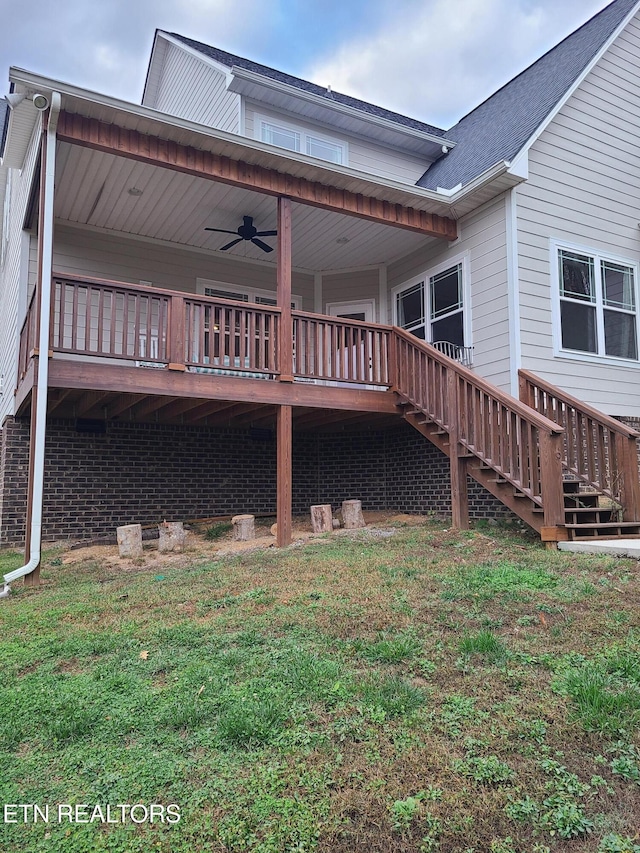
x: 321, y: 518
x: 352, y: 515
x: 244, y: 527
x: 171, y: 536
x: 129, y: 538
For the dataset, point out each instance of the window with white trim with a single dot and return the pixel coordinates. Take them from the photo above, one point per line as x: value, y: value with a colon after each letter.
x: 302, y: 140
x: 598, y: 304
x: 431, y: 307
x: 240, y: 294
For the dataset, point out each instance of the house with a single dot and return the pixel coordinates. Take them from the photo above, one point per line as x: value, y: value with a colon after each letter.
x: 251, y: 293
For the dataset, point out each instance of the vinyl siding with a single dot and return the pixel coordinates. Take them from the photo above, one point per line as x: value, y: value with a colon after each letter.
x: 583, y: 188
x: 192, y: 89
x: 91, y: 253
x: 483, y: 241
x: 12, y: 300
x: 363, y: 155
x: 351, y: 287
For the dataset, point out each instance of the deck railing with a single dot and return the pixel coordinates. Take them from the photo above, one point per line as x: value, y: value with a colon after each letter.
x: 520, y: 445
x: 109, y: 320
x: 153, y: 327
x: 330, y: 348
x: 28, y: 341
x: 597, y: 449
x: 234, y: 336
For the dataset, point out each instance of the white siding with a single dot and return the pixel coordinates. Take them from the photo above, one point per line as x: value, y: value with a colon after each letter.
x: 584, y: 188
x: 12, y: 274
x: 364, y: 155
x: 483, y: 240
x: 90, y: 253
x: 354, y: 286
x: 192, y: 89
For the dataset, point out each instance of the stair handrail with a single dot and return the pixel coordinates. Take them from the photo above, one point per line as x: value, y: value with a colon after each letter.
x: 521, y: 445
x: 609, y: 461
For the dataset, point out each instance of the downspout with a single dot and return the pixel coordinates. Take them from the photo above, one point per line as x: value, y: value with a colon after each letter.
x: 43, y: 349
x: 513, y: 284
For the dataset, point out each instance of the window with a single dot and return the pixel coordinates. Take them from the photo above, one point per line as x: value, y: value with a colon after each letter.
x: 431, y: 306
x: 240, y: 294
x: 597, y: 298
x: 297, y: 139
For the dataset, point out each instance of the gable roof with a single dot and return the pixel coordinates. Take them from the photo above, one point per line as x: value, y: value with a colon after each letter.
x: 500, y: 127
x: 230, y: 60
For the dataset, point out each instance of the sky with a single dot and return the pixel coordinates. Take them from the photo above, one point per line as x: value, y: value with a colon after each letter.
x: 433, y: 60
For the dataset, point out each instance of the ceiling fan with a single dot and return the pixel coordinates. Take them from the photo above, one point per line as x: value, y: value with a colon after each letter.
x: 247, y: 231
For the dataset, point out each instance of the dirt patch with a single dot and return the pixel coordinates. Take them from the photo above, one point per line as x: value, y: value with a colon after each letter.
x: 377, y: 524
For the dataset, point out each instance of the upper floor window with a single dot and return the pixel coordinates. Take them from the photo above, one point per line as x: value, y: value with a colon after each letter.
x: 241, y: 294
x: 299, y: 139
x: 431, y: 307
x: 598, y: 304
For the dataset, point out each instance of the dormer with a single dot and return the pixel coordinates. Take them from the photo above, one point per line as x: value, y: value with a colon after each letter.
x: 201, y: 83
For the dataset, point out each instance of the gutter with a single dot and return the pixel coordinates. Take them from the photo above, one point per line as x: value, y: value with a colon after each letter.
x: 43, y: 343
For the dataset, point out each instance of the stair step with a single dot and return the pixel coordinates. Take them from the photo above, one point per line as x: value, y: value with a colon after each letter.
x: 604, y: 524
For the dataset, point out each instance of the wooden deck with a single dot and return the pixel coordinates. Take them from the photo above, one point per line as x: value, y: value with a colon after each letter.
x: 128, y: 351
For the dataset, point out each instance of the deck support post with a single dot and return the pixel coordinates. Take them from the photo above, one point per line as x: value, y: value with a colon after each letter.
x: 284, y: 422
x: 457, y: 463
x: 285, y: 339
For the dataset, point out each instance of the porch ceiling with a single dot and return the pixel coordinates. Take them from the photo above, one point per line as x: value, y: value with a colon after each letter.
x: 92, y: 189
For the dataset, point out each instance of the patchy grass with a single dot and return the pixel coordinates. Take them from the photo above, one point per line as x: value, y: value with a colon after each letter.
x: 425, y: 691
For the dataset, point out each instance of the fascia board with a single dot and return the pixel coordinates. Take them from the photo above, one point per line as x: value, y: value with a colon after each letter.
x: 242, y: 74
x: 280, y: 159
x: 208, y: 60
x: 577, y: 83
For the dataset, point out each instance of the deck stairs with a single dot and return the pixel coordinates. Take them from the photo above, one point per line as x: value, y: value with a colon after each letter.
x: 565, y: 469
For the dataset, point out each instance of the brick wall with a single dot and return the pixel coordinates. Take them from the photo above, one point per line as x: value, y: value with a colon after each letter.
x: 150, y: 472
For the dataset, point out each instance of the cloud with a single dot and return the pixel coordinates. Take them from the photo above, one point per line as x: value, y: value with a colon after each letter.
x: 446, y: 56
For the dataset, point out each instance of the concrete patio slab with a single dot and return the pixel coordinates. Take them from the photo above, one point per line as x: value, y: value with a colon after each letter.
x: 611, y: 547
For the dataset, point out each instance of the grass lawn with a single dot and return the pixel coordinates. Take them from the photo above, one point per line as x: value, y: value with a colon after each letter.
x: 413, y: 690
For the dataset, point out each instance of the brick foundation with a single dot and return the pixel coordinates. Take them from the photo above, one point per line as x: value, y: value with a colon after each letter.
x: 151, y: 472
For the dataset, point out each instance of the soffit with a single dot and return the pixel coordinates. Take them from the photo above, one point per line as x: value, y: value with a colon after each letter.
x: 92, y: 190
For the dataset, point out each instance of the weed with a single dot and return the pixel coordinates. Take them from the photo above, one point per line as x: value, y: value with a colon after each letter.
x: 489, y: 770
x: 391, y: 697
x: 614, y: 843
x: 605, y: 701
x: 626, y: 761
x: 404, y: 812
x: 247, y: 722
x: 390, y: 649
x: 457, y: 710
x: 485, y: 644
x: 217, y: 531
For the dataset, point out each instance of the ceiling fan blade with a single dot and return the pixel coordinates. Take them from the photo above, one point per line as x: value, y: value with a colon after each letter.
x: 221, y: 230
x: 262, y: 245
x: 266, y: 234
x: 229, y: 245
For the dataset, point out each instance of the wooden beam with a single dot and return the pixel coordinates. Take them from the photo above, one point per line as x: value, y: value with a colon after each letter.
x: 284, y: 475
x: 112, y: 139
x: 91, y: 401
x: 126, y: 402
x: 285, y: 338
x: 134, y: 380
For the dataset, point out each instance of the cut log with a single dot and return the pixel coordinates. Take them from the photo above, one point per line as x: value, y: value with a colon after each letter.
x: 171, y: 536
x: 129, y: 538
x: 352, y: 514
x: 244, y: 527
x: 321, y: 518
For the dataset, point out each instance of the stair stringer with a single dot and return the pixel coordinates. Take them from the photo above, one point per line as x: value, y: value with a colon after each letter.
x: 477, y: 468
